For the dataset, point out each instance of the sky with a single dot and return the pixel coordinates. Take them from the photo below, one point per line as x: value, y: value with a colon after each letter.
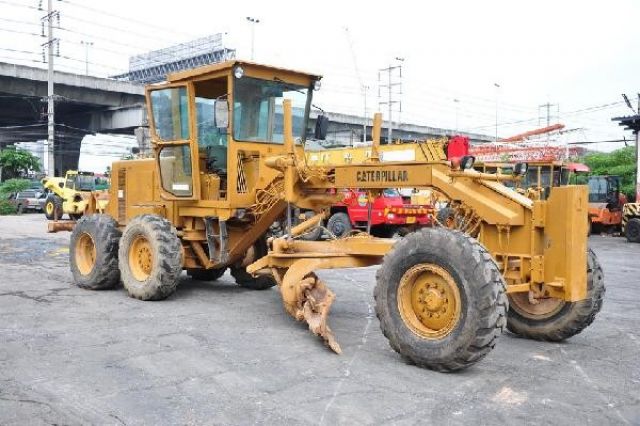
x: 579, y: 56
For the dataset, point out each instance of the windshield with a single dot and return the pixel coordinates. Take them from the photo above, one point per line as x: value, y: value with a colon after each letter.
x: 170, y: 113
x: 257, y: 109
x: 391, y: 193
x: 85, y: 183
x: 597, y: 190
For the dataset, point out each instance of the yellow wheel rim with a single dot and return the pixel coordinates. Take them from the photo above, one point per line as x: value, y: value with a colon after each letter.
x: 49, y: 208
x: 429, y: 301
x: 85, y: 253
x: 140, y: 258
x: 545, y: 308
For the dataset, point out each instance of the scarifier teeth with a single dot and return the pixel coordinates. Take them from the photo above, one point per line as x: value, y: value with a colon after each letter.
x: 315, y: 309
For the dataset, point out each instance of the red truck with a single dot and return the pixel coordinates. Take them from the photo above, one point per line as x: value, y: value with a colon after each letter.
x: 391, y: 214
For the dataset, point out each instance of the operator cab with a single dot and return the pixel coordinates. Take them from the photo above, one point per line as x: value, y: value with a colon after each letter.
x: 80, y: 181
x: 605, y: 190
x: 211, y: 125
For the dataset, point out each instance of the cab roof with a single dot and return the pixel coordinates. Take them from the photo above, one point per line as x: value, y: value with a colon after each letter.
x: 206, y: 69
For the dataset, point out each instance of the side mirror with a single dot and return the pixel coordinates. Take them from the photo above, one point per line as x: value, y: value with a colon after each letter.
x: 61, y: 184
x: 221, y: 113
x: 322, y: 125
x: 135, y: 150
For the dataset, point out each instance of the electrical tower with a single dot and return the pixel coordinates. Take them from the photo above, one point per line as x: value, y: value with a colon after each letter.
x: 393, y: 74
x: 546, y: 116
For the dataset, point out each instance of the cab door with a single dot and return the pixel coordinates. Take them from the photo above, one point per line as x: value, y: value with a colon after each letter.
x: 170, y: 111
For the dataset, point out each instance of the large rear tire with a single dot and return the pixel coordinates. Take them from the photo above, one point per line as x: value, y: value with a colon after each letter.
x: 53, y: 207
x: 93, y: 252
x: 554, y: 319
x: 440, y: 299
x: 150, y: 258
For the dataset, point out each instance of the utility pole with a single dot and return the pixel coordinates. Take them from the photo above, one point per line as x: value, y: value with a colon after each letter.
x: 497, y: 86
x: 457, y: 102
x: 86, y: 45
x: 392, y: 72
x: 365, y: 121
x: 252, y: 22
x: 51, y: 42
x: 633, y: 123
x: 363, y: 86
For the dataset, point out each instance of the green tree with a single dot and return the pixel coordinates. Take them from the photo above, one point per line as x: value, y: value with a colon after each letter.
x: 621, y: 162
x: 17, y: 162
x: 14, y: 185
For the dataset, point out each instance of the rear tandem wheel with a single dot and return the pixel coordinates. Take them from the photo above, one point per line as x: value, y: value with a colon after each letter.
x: 554, y: 319
x: 150, y: 258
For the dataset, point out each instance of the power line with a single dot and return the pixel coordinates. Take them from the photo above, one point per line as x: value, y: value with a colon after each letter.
x: 19, y: 22
x: 109, y: 27
x: 135, y: 21
x: 20, y: 32
x: 11, y: 3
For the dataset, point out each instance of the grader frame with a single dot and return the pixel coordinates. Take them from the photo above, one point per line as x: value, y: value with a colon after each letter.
x: 217, y: 213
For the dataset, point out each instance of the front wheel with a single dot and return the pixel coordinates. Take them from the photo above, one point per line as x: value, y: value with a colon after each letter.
x: 53, y: 207
x: 150, y: 258
x: 440, y: 299
x: 554, y: 319
x: 632, y: 230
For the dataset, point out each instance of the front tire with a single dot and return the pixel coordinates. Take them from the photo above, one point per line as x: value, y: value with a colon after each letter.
x: 93, y: 252
x: 53, y: 207
x: 632, y: 230
x: 440, y: 299
x: 150, y: 258
x: 554, y: 319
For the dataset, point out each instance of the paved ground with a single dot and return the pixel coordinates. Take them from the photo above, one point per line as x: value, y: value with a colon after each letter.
x: 218, y: 354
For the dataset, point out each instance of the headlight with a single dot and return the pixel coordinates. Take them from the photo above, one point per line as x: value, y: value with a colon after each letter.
x: 391, y: 216
x: 238, y: 72
x: 467, y: 162
x: 520, y: 169
x: 317, y: 85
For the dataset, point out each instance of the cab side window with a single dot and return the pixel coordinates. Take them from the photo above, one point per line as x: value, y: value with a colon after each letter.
x: 212, y: 141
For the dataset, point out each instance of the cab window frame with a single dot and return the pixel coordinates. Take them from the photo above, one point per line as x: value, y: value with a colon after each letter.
x: 189, y: 142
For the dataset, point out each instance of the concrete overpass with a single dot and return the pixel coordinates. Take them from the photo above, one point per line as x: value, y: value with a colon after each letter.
x: 84, y: 105
x: 345, y: 129
x: 87, y: 105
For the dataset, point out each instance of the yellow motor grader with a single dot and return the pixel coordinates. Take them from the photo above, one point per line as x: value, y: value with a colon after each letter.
x: 229, y: 161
